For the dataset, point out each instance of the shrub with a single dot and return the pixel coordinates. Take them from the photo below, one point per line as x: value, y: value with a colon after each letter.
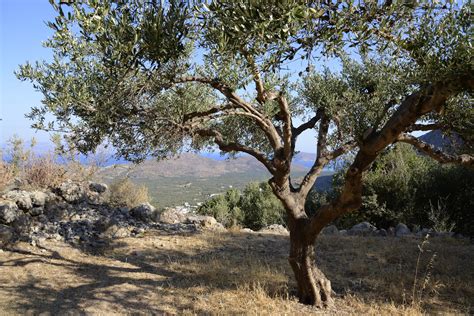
x: 260, y: 206
x: 42, y: 172
x: 255, y: 208
x: 124, y: 192
x: 6, y: 175
x: 404, y: 186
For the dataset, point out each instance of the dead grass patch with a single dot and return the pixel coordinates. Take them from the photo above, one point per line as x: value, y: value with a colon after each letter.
x: 231, y: 273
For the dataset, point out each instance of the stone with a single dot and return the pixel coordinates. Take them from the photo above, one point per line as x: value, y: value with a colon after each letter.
x: 21, y: 198
x: 246, y: 230
x: 36, y: 211
x: 143, y: 212
x: 6, y: 235
x: 38, y: 198
x: 443, y: 234
x: 71, y: 192
x: 382, y: 233
x: 402, y: 230
x: 9, y: 212
x: 201, y: 220
x: 362, y: 229
x: 330, y: 230
x: 98, y: 187
x: 116, y: 231
x: 423, y: 232
x: 274, y: 229
x: 172, y: 216
x: 343, y: 232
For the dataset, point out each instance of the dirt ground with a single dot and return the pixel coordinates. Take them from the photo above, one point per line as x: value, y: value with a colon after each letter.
x: 235, y: 273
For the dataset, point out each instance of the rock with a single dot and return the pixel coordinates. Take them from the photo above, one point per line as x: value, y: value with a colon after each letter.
x: 246, y: 230
x: 443, y: 234
x: 402, y: 230
x: 343, y: 232
x: 9, y: 212
x: 206, y: 222
x: 423, y: 232
x: 143, y: 212
x: 274, y: 229
x: 172, y: 216
x: 21, y: 198
x: 115, y: 231
x: 71, y: 192
x: 382, y: 233
x: 201, y: 220
x: 98, y: 187
x: 36, y: 211
x: 330, y: 230
x: 391, y: 231
x: 38, y: 198
x: 362, y: 229
x: 6, y: 235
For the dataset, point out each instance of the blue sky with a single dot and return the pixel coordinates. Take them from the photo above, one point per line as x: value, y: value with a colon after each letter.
x: 22, y: 31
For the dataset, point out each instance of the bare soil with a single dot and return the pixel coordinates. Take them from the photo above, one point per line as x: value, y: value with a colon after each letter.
x: 234, y: 273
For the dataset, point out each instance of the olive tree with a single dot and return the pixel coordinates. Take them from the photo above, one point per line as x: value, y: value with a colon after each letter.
x: 154, y: 78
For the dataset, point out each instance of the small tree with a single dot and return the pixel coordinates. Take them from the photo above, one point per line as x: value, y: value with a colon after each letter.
x: 157, y: 77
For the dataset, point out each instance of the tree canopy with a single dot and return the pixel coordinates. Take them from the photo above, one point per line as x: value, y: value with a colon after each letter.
x: 158, y: 77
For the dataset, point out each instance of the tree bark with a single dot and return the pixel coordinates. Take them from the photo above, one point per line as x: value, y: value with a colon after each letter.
x: 312, y: 285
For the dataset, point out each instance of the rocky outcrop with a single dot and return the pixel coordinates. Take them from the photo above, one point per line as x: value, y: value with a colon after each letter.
x: 78, y: 213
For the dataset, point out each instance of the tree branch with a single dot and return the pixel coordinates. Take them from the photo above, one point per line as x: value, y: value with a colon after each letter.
x: 438, y: 155
x: 318, y: 166
x: 233, y: 146
x: 307, y: 125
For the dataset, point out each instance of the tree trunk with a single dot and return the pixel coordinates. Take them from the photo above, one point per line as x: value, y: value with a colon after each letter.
x: 313, y: 286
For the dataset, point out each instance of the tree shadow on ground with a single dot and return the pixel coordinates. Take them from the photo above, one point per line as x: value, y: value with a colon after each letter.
x: 124, y: 277
x: 167, y: 273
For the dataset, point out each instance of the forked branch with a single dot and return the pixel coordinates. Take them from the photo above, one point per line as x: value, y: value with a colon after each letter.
x: 437, y: 154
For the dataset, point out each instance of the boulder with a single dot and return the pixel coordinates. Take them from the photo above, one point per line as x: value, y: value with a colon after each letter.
x: 402, y: 230
x: 343, y: 232
x: 143, y: 212
x: 330, y: 230
x: 172, y: 216
x: 21, y: 198
x: 98, y: 187
x: 274, y: 229
x: 71, y: 192
x: 9, y: 212
x: 201, y: 220
x: 362, y: 229
x: 38, y: 198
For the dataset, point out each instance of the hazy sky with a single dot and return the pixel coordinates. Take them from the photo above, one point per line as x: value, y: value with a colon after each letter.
x: 22, y: 31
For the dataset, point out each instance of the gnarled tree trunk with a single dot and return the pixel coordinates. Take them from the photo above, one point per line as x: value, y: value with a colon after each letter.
x: 312, y: 285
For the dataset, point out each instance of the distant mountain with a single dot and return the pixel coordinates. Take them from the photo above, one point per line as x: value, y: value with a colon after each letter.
x: 437, y: 139
x: 193, y: 178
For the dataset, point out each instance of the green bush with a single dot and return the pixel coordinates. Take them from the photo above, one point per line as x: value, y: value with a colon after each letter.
x: 255, y: 207
x: 404, y: 186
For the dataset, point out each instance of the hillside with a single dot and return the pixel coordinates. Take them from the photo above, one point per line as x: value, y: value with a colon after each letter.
x: 193, y: 178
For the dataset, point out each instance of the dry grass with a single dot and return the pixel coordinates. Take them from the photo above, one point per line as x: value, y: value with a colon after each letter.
x: 41, y: 172
x: 123, y: 192
x: 6, y: 175
x: 231, y: 273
